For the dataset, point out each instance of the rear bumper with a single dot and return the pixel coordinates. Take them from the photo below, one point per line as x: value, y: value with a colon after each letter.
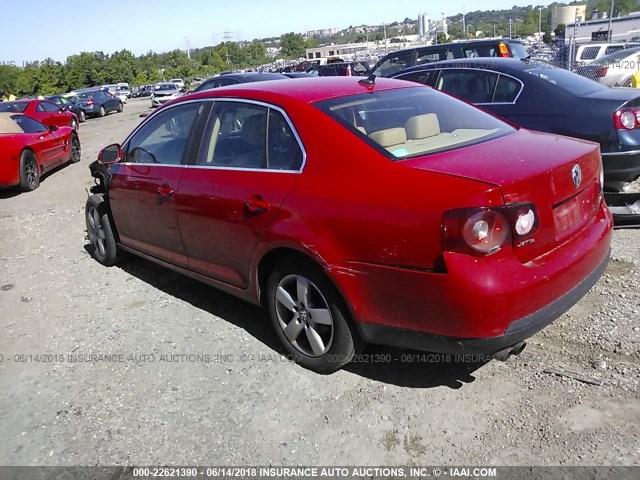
x: 621, y: 166
x: 478, y: 298
x: 9, y: 173
x: 517, y: 331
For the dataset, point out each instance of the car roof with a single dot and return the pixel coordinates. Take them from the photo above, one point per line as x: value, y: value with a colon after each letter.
x: 489, y: 41
x: 306, y: 90
x: 488, y: 63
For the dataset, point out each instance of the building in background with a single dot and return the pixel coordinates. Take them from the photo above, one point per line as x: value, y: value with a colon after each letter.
x: 623, y: 29
x: 567, y: 15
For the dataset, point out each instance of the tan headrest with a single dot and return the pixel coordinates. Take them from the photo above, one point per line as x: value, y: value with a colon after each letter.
x: 362, y: 129
x: 422, y: 126
x: 389, y: 137
x: 7, y: 125
x: 253, y: 129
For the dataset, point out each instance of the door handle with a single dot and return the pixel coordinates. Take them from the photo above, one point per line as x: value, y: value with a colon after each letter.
x: 256, y: 205
x: 165, y: 191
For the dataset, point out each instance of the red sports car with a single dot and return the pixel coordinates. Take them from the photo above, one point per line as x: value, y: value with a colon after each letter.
x: 44, y: 111
x: 28, y: 149
x: 360, y: 210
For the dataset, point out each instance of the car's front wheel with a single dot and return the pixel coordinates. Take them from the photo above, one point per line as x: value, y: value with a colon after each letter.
x: 104, y: 247
x: 29, y: 171
x: 120, y: 107
x: 310, y: 317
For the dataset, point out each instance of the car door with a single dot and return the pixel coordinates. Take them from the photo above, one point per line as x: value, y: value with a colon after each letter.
x: 249, y: 159
x: 54, y: 114
x: 49, y: 146
x: 142, y: 191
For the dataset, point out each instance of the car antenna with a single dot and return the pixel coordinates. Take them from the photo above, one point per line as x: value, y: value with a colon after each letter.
x: 369, y: 81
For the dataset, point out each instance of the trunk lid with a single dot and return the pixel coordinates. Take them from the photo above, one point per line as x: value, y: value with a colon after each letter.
x: 532, y: 167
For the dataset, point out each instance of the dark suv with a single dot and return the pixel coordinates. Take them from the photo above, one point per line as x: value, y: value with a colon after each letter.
x: 343, y: 69
x: 396, y: 61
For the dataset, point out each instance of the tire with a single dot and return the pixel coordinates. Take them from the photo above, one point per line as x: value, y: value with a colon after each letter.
x: 82, y: 117
x: 102, y: 112
x: 120, y: 107
x: 322, y: 346
x: 76, y: 149
x: 29, y: 171
x: 74, y: 124
x: 104, y: 247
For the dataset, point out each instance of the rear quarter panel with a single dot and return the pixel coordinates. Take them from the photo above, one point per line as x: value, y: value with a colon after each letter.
x: 11, y: 147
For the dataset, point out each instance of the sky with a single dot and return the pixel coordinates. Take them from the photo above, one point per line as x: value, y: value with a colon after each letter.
x: 60, y: 28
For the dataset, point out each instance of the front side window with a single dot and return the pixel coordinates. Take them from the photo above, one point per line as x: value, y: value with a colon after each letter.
x: 248, y: 136
x: 163, y: 139
x: 412, y: 122
x: 423, y: 77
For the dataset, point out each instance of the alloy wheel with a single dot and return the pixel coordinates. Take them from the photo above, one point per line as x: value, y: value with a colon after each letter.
x: 96, y: 231
x: 304, y: 315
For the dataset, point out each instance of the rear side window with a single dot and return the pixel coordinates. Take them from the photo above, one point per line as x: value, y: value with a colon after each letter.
x: 507, y: 90
x: 475, y: 86
x: 411, y: 122
x: 424, y: 77
x: 247, y: 136
x: 613, y: 49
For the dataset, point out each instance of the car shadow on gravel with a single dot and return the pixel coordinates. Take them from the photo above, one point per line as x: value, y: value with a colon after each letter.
x: 411, y: 368
x: 15, y: 191
x: 251, y: 318
x: 402, y: 367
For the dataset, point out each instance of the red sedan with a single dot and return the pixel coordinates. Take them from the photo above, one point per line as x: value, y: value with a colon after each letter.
x: 44, y: 111
x: 360, y: 210
x: 28, y: 149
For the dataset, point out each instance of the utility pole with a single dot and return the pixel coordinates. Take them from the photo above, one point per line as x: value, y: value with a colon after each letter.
x: 384, y: 29
x: 540, y: 26
x: 227, y: 36
x: 186, y: 41
x: 510, y: 36
x: 610, y: 33
x: 464, y: 27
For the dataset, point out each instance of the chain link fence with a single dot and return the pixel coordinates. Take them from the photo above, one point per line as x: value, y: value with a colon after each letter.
x: 612, y: 64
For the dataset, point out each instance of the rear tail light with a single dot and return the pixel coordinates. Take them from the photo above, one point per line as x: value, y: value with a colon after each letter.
x: 626, y: 119
x: 483, y: 231
x: 503, y: 50
x: 89, y: 102
x: 600, y: 72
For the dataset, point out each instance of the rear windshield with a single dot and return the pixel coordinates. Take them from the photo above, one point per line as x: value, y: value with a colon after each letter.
x: 85, y: 95
x: 569, y: 81
x: 518, y: 50
x: 13, y: 106
x: 165, y: 86
x: 411, y: 122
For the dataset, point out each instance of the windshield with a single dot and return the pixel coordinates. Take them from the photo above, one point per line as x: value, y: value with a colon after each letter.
x: 13, y: 106
x: 165, y: 86
x: 411, y: 122
x: 569, y: 81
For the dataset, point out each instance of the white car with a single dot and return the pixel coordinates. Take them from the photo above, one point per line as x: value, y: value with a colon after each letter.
x: 179, y: 82
x: 163, y: 92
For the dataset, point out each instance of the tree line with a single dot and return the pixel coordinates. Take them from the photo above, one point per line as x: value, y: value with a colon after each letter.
x: 88, y: 69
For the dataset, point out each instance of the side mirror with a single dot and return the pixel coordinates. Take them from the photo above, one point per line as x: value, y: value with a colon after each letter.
x: 110, y: 154
x: 53, y: 128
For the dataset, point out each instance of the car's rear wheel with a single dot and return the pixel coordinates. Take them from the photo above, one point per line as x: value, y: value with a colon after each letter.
x: 82, y: 117
x: 29, y: 171
x: 74, y: 124
x: 102, y: 112
x: 76, y: 150
x: 310, y: 317
x: 104, y: 247
x: 120, y: 107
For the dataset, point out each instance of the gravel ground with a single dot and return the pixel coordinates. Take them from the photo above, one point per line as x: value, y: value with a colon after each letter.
x: 198, y: 377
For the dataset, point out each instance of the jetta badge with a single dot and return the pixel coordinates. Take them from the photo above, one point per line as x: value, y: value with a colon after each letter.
x: 576, y: 175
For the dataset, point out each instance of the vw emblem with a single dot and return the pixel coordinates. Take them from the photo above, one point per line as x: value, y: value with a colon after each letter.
x: 576, y: 175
